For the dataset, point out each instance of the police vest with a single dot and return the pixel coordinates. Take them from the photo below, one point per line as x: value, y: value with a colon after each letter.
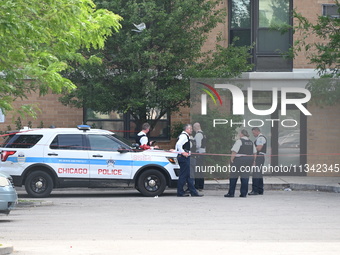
x: 246, y: 147
x: 186, y: 146
x: 138, y: 137
x: 204, y: 140
x: 264, y: 147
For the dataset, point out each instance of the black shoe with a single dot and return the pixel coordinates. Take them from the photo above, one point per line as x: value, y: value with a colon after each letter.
x: 261, y: 193
x: 184, y: 195
x: 197, y: 195
x: 228, y: 195
x: 243, y: 196
x: 253, y: 193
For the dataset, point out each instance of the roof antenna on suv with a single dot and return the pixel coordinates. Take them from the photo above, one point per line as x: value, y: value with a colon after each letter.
x: 25, y: 128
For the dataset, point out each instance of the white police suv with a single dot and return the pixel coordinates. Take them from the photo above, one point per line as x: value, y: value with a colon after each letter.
x: 43, y: 159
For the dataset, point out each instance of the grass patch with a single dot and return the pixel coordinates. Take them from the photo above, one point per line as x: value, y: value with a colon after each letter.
x: 27, y: 201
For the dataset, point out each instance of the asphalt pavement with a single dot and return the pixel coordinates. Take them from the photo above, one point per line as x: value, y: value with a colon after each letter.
x: 317, y: 188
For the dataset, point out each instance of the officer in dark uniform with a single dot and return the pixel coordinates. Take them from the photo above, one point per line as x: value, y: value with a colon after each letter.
x: 242, y: 159
x: 201, y: 141
x: 183, y: 157
x: 261, y: 148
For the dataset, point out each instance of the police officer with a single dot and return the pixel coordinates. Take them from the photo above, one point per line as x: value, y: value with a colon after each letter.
x: 142, y: 140
x: 183, y: 157
x: 261, y: 148
x: 242, y: 159
x: 200, y: 140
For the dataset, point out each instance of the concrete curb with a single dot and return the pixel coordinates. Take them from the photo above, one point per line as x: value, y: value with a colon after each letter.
x: 6, y: 249
x: 313, y: 187
x: 31, y: 203
x: 292, y: 186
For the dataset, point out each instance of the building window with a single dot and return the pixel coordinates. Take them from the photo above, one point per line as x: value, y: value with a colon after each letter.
x: 330, y: 10
x: 125, y: 126
x: 266, y: 25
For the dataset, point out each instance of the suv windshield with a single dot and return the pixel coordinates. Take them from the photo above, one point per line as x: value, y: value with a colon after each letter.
x: 125, y: 141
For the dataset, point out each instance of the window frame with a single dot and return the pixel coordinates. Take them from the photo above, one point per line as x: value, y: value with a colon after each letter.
x: 120, y: 145
x: 260, y: 58
x: 328, y: 8
x: 11, y: 142
x: 127, y: 133
x: 81, y: 148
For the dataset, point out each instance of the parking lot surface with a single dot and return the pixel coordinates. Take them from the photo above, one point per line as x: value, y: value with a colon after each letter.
x: 83, y: 221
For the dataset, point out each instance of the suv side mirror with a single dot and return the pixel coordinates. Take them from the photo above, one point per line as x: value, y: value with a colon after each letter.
x: 135, y: 145
x: 122, y: 150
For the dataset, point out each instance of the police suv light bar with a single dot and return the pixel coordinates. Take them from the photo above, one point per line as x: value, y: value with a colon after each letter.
x: 84, y: 127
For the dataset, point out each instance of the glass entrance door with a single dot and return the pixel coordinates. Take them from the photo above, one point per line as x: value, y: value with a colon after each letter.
x: 289, y: 141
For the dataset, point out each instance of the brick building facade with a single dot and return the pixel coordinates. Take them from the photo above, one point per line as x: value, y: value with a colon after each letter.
x: 319, y: 133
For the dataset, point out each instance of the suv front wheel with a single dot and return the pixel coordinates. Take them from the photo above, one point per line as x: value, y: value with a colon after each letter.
x: 151, y: 183
x: 39, y: 184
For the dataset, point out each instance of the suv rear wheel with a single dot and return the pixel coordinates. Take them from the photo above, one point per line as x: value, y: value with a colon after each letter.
x: 151, y: 183
x: 39, y: 184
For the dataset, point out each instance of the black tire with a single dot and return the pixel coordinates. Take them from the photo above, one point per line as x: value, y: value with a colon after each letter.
x: 39, y: 184
x: 151, y: 183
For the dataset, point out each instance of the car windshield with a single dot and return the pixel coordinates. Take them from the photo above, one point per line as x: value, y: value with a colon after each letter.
x: 123, y: 140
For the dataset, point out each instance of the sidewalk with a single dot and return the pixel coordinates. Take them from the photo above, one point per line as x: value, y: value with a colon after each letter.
x: 327, y: 184
x: 6, y: 249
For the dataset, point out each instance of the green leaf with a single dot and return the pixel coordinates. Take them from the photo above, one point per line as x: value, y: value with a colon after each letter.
x: 150, y: 70
x: 40, y: 37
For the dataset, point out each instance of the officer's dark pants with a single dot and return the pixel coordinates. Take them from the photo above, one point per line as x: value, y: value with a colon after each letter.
x: 242, y: 166
x: 257, y: 179
x: 184, y: 176
x: 199, y: 180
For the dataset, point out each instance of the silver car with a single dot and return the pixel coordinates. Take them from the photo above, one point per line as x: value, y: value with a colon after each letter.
x: 8, y: 195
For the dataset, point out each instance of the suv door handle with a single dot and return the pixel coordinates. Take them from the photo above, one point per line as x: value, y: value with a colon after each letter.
x: 52, y: 154
x: 97, y: 156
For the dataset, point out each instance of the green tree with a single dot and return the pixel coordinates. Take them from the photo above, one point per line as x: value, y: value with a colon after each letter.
x: 148, y: 64
x: 325, y: 54
x: 39, y: 37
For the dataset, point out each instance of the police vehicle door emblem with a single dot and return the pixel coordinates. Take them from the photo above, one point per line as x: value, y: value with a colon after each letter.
x: 110, y: 162
x: 21, y: 157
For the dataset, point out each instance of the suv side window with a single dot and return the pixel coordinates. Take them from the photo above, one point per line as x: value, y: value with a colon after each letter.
x: 67, y: 142
x: 22, y: 141
x: 103, y: 143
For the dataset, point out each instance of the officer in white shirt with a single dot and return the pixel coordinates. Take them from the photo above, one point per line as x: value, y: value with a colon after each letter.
x: 142, y: 138
x: 183, y: 157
